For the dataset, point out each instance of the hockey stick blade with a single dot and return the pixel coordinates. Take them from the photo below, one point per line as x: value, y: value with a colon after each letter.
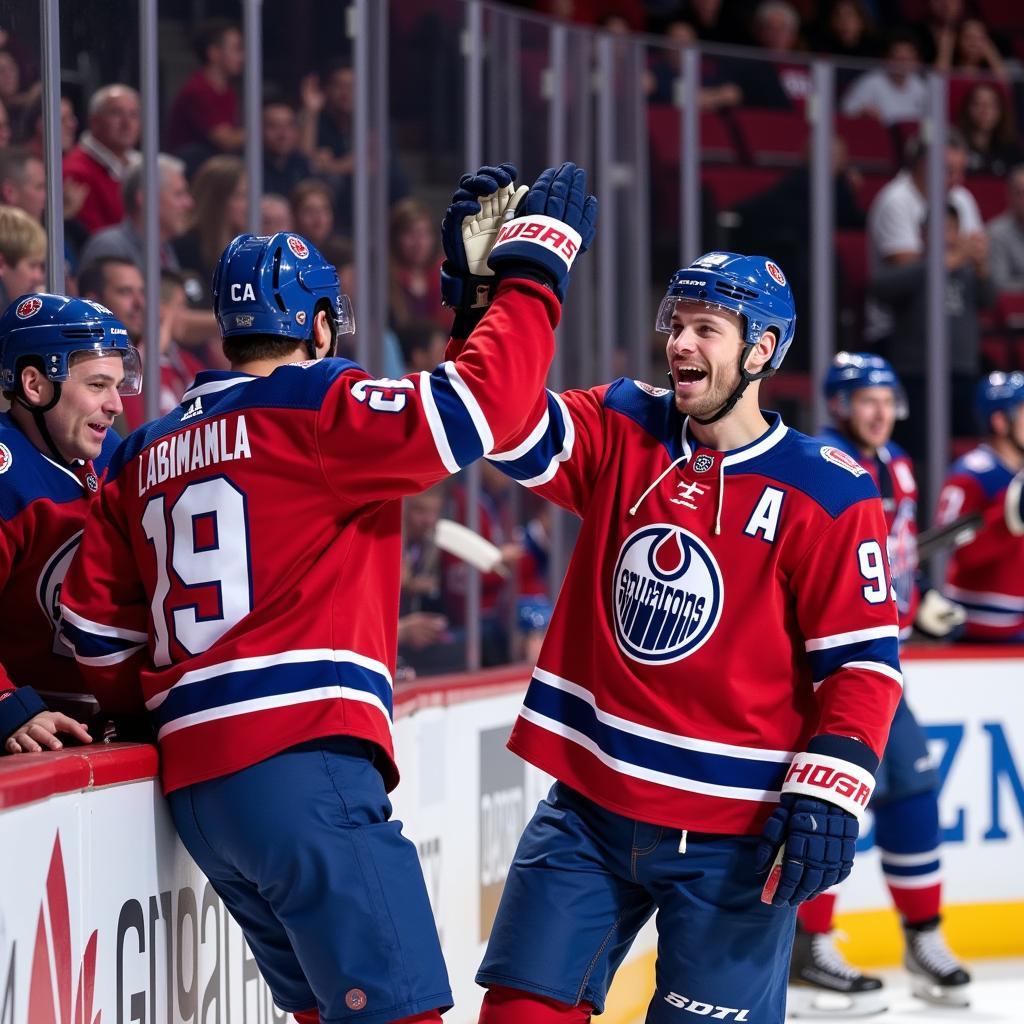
x: 469, y: 547
x: 956, y: 533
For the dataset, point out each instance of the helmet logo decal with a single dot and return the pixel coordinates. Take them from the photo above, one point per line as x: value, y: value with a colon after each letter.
x: 6, y: 458
x: 776, y: 272
x: 300, y: 317
x: 667, y: 594
x: 98, y: 306
x: 298, y: 247
x: 244, y: 320
x: 839, y: 458
x: 242, y: 292
x: 29, y: 307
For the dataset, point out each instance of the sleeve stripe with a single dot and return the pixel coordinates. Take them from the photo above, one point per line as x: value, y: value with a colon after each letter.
x: 824, y: 643
x: 521, y: 449
x: 553, y: 447
x: 108, y: 659
x: 99, y: 629
x: 476, y: 414
x: 455, y: 418
x: 444, y: 449
x: 876, y: 666
x: 94, y: 649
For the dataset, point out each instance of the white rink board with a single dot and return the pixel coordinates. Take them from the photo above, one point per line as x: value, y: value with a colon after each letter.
x: 464, y: 800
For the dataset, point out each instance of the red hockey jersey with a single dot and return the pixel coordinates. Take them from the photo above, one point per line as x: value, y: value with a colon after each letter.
x: 720, y: 610
x: 43, y: 506
x: 244, y: 562
x: 986, y: 576
x: 892, y: 469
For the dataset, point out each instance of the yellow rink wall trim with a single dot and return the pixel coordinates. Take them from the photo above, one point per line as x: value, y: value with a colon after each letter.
x: 873, y: 938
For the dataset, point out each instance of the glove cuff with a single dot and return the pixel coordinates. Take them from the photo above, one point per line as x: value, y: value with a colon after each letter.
x: 17, y: 707
x: 465, y: 292
x: 833, y: 779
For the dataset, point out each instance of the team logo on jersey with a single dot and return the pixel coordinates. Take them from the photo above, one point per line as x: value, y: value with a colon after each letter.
x: 839, y: 458
x: 703, y: 463
x: 650, y: 389
x: 776, y: 272
x: 298, y: 246
x: 6, y: 458
x: 51, y: 579
x: 667, y: 594
x: 28, y: 308
x: 92, y: 483
x: 901, y: 547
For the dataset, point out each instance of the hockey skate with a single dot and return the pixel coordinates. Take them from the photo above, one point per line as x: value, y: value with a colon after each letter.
x: 823, y: 985
x: 936, y: 976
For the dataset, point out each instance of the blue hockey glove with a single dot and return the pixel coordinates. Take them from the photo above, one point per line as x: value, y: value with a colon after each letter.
x: 554, y: 223
x: 476, y: 212
x: 812, y: 844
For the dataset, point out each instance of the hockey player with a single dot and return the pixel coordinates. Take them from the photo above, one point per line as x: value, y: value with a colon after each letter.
x: 64, y: 363
x: 244, y: 567
x: 716, y: 684
x: 986, y: 574
x: 865, y: 398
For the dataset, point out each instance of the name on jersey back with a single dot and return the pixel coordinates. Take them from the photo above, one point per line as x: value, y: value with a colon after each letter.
x: 202, y: 446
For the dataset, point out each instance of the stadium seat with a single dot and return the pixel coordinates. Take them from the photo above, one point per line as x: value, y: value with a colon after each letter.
x: 870, y: 187
x: 772, y: 138
x: 1010, y: 310
x: 1002, y: 15
x: 990, y: 192
x: 716, y: 141
x: 731, y: 185
x: 996, y: 351
x: 852, y: 250
x: 868, y: 143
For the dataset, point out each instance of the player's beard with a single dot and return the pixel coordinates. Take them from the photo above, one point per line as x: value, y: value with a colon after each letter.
x: 720, y: 386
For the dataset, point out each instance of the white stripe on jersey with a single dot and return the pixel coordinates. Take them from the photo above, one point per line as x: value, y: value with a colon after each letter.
x: 855, y: 636
x: 566, y: 452
x: 468, y: 399
x: 99, y: 629
x: 444, y: 449
x: 521, y: 449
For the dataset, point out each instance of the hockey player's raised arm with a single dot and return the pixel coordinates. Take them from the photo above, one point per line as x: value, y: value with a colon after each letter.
x: 104, y: 611
x: 849, y: 620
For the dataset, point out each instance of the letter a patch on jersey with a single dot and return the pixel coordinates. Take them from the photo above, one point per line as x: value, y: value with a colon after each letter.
x: 764, y: 520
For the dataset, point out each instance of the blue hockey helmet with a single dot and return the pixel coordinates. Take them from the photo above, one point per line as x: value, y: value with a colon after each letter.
x: 752, y: 286
x: 854, y: 371
x: 998, y: 392
x: 54, y: 329
x: 272, y: 284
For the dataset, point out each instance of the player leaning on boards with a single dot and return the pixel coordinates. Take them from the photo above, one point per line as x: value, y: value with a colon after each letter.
x: 64, y: 363
x: 865, y: 398
x: 244, y: 567
x: 725, y: 634
x: 986, y: 488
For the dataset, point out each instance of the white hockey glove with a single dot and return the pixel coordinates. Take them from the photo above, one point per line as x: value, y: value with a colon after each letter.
x: 937, y: 616
x: 1014, y: 505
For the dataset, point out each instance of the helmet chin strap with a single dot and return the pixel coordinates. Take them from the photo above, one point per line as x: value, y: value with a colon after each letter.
x: 746, y: 379
x: 38, y: 416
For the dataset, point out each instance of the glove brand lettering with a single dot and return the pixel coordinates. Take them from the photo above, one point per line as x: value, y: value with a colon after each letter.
x: 542, y: 230
x: 709, y: 1010
x: 825, y: 777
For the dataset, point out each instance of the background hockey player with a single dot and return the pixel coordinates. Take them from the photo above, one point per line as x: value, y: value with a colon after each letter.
x: 244, y: 568
x: 725, y: 634
x: 64, y: 365
x: 986, y: 573
x: 865, y: 398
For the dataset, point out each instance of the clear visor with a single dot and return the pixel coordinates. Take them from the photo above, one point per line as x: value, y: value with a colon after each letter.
x: 346, y: 318
x: 670, y: 303
x: 901, y: 407
x: 131, y: 384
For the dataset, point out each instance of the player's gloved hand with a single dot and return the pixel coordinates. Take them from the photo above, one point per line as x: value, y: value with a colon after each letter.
x: 809, y: 841
x: 554, y: 223
x: 1013, y: 506
x: 937, y: 616
x: 476, y: 212
x: 809, y: 846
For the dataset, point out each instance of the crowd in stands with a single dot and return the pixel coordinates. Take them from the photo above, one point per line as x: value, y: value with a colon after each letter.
x: 755, y: 183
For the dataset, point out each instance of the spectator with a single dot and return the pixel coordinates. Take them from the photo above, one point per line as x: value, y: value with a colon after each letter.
x: 68, y: 134
x: 897, y: 214
x: 975, y: 52
x: 847, y: 31
x: 422, y: 346
x: 104, y: 154
x: 15, y: 100
x: 937, y: 37
x: 903, y: 288
x: 178, y: 367
x: 23, y: 182
x: 283, y: 165
x: 326, y: 127
x: 124, y: 240
x: 778, y: 81
x: 22, y: 254
x: 894, y: 93
x: 221, y: 193
x: 988, y: 127
x: 313, y: 211
x: 666, y: 66
x: 5, y: 126
x: 275, y: 214
x: 415, y: 267
x: 204, y: 117
x: 1006, y: 238
x: 710, y: 21
x: 118, y: 285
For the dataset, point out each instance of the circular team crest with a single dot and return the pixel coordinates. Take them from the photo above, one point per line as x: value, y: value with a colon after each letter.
x: 298, y: 247
x: 92, y: 483
x: 300, y: 317
x: 839, y: 458
x: 667, y: 594
x: 355, y: 999
x: 776, y: 271
x: 6, y: 458
x: 703, y: 463
x: 29, y: 307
